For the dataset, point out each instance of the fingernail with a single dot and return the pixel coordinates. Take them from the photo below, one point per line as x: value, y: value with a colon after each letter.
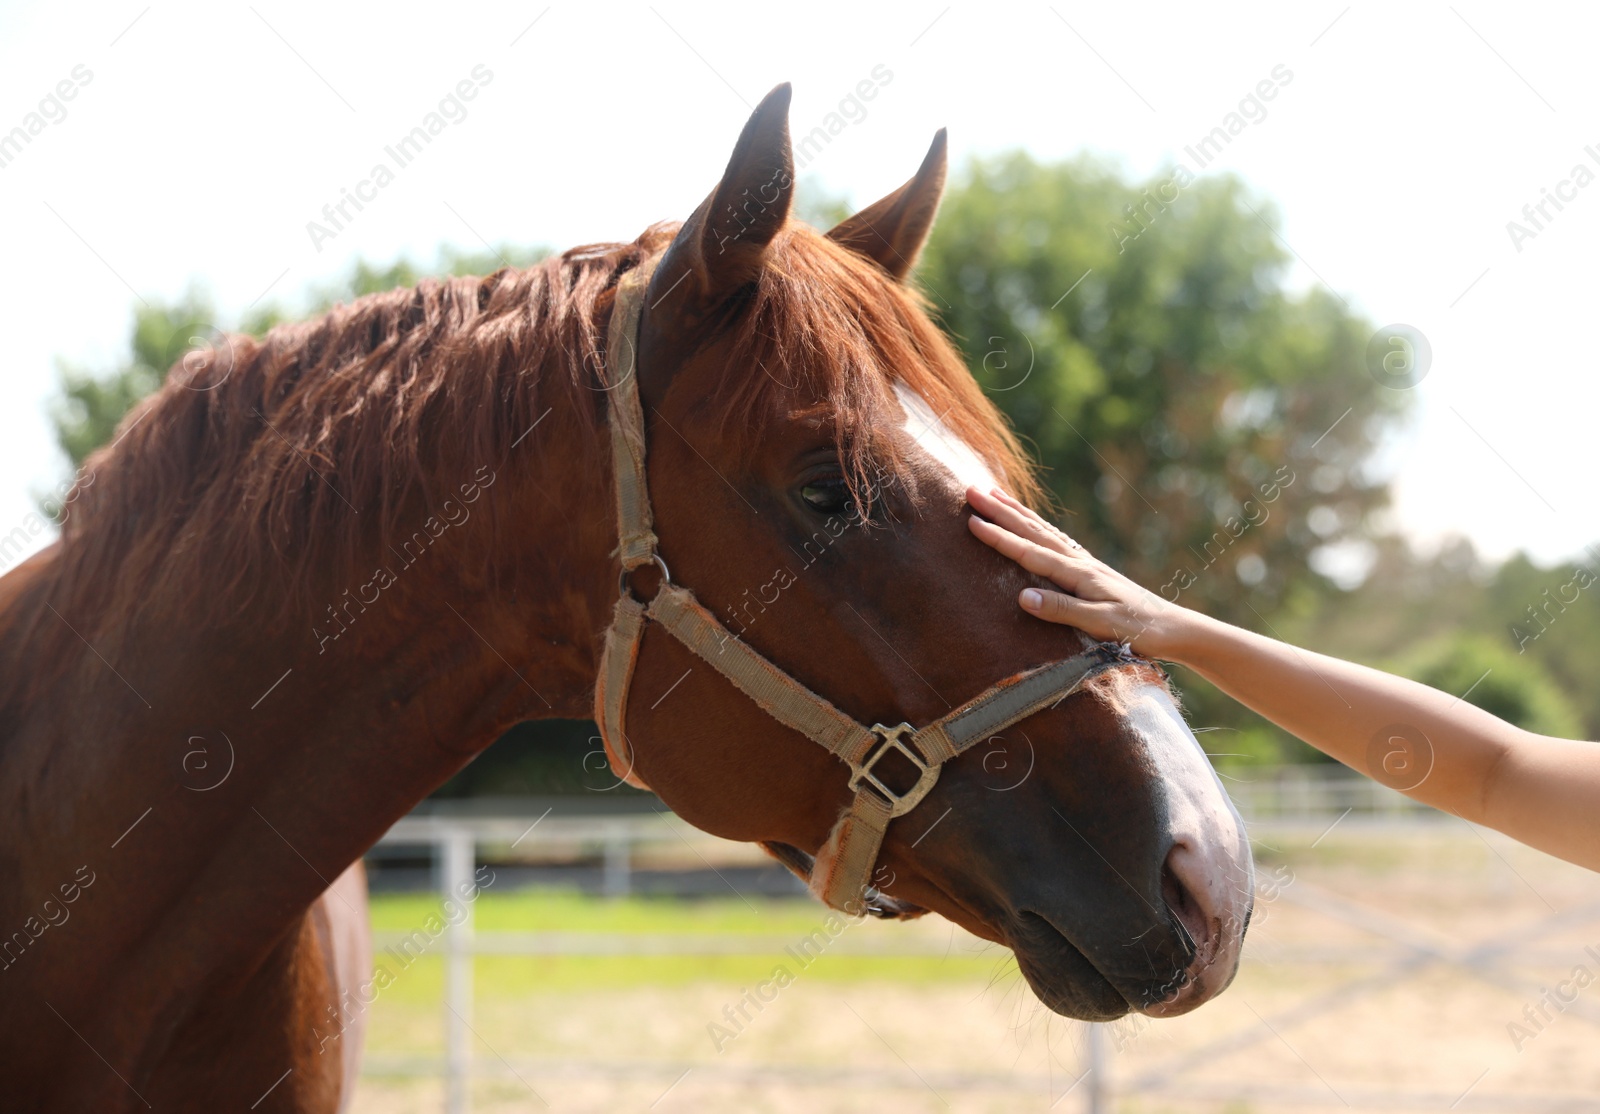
x: 1032, y: 599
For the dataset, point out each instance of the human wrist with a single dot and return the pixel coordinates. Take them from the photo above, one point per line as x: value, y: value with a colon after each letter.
x: 1179, y: 634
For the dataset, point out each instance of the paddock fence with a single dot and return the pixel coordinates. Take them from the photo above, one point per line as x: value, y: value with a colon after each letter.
x: 1298, y: 802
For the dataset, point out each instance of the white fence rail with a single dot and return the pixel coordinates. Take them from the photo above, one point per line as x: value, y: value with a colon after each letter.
x: 1307, y: 793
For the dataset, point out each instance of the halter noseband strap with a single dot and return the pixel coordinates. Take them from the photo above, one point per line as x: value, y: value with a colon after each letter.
x: 842, y: 871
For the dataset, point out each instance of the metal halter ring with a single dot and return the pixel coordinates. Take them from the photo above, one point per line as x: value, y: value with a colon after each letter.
x: 895, y: 738
x: 624, y: 589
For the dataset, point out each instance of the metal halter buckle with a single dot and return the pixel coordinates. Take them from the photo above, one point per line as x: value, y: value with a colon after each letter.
x: 895, y: 738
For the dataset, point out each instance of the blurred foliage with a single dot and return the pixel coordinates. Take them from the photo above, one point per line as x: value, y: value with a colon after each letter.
x: 819, y: 207
x: 1201, y: 426
x: 1439, y: 618
x: 1496, y: 679
x: 91, y: 404
x: 1196, y: 420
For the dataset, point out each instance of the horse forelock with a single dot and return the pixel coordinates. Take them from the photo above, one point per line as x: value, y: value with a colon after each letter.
x: 825, y: 328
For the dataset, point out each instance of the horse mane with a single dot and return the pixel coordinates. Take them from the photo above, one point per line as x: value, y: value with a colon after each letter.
x: 277, y: 463
x: 276, y: 456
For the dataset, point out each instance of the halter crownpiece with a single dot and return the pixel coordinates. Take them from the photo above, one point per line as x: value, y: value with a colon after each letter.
x: 842, y: 870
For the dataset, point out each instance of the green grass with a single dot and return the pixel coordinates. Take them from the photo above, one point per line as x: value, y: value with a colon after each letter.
x: 779, y: 922
x: 569, y: 911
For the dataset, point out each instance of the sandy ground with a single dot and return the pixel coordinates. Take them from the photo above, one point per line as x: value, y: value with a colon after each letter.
x: 1384, y: 971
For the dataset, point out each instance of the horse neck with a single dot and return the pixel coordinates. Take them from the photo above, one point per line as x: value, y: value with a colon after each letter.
x: 197, y: 785
x: 506, y: 571
x: 217, y: 778
x: 482, y: 609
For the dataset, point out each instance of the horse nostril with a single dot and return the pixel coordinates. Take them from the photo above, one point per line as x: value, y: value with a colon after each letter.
x: 1186, y: 909
x: 1208, y: 902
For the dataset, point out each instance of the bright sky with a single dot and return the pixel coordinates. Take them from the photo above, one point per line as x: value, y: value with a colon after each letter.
x: 205, y: 137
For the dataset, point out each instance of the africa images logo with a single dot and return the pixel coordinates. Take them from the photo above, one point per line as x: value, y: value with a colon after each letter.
x: 452, y: 109
x: 1252, y: 109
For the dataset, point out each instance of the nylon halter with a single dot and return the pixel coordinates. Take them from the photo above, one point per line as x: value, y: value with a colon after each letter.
x: 842, y: 870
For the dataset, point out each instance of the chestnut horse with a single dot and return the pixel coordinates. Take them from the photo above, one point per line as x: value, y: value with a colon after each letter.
x: 318, y: 572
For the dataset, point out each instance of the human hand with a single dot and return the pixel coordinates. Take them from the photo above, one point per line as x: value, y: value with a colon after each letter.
x: 1095, y: 598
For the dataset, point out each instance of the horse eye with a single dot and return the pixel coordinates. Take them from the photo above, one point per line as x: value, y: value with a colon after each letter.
x: 827, y: 496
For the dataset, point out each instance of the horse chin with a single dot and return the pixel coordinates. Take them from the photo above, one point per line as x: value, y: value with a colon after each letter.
x: 1069, y: 983
x: 1061, y: 976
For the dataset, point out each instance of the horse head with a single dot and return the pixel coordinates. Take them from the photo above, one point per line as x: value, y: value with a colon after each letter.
x: 810, y: 435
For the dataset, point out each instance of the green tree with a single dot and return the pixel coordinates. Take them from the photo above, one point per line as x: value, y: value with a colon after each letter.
x: 1551, y: 615
x: 1487, y: 674
x: 1204, y: 428
x: 1541, y: 618
x: 91, y: 404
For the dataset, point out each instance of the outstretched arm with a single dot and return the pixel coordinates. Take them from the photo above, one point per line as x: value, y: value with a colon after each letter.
x: 1426, y: 743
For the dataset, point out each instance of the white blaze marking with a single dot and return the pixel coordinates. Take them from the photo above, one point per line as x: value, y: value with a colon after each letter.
x: 1211, y: 856
x: 1198, y: 800
x: 937, y: 440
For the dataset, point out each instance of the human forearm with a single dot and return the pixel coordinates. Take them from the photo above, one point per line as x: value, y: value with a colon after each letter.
x: 1431, y: 745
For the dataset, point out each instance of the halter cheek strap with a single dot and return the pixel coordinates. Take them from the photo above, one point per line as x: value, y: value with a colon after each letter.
x: 842, y: 871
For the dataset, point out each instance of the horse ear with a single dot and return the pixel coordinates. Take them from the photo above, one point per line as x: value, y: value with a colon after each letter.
x: 722, y: 246
x: 891, y: 232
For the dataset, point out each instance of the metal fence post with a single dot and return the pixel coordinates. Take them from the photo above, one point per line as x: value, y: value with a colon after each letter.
x: 457, y: 850
x: 1096, y: 1099
x: 617, y: 876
